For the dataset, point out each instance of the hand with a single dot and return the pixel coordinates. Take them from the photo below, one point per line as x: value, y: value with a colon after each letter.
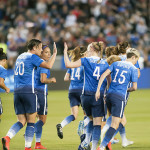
x: 53, y: 80
x: 7, y: 90
x: 97, y: 95
x: 65, y: 47
x: 54, y: 48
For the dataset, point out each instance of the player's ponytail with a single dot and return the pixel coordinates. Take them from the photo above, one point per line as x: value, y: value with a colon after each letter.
x: 77, y: 53
x: 113, y: 58
x: 111, y: 50
x: 122, y: 47
x: 2, y: 54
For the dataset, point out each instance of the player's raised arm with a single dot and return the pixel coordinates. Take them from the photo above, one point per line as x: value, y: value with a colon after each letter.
x: 103, y: 76
x: 49, y: 64
x: 68, y: 63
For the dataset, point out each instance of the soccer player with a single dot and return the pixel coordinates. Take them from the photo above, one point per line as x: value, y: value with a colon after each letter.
x: 76, y: 76
x: 93, y: 68
x: 3, y: 73
x: 123, y: 72
x: 42, y: 79
x: 25, y: 99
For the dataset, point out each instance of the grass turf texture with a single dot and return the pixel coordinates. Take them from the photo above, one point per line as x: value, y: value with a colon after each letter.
x: 137, y: 129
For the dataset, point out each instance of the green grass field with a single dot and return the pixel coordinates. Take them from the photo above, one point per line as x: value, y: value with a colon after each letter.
x: 137, y: 129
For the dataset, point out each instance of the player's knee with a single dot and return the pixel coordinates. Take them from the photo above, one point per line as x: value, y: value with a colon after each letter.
x: 115, y: 125
x: 23, y: 122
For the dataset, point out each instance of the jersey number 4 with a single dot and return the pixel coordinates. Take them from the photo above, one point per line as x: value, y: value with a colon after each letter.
x: 121, y: 75
x: 19, y: 68
x: 96, y: 73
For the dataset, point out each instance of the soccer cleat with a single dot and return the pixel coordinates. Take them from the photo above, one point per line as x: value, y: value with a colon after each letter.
x: 59, y: 131
x: 82, y: 137
x: 115, y: 141
x: 28, y: 148
x: 127, y: 143
x: 5, y: 142
x: 81, y: 127
x: 108, y: 147
x: 100, y: 148
x: 39, y: 146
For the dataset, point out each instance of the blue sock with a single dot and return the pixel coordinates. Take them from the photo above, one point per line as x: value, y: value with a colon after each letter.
x: 108, y: 136
x: 108, y: 122
x: 119, y: 128
x: 67, y: 120
x: 89, y: 130
x: 96, y: 136
x: 38, y: 130
x: 29, y: 133
x: 14, y: 129
x: 122, y: 130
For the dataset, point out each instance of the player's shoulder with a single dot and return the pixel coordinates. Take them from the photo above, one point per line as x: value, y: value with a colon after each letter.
x: 2, y: 68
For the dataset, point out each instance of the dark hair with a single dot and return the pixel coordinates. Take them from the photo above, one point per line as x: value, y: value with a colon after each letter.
x: 77, y: 52
x: 32, y: 43
x: 132, y: 52
x: 111, y: 50
x: 122, y: 47
x: 44, y: 46
x: 2, y: 54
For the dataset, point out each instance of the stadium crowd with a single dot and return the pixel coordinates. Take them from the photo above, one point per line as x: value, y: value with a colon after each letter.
x: 78, y: 22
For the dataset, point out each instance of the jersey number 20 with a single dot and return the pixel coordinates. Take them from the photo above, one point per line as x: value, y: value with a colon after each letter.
x: 19, y: 68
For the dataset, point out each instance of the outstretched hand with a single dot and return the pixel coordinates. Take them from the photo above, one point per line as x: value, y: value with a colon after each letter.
x: 54, y: 48
x: 65, y: 47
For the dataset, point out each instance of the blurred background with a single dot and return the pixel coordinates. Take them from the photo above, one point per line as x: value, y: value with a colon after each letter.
x: 77, y: 22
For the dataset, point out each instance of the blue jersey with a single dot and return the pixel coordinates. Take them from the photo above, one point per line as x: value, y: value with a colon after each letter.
x: 124, y: 57
x: 3, y: 72
x: 123, y: 73
x: 76, y: 77
x: 24, y: 79
x: 92, y: 72
x: 41, y: 87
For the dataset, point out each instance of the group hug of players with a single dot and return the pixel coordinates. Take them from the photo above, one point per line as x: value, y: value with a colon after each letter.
x: 97, y: 84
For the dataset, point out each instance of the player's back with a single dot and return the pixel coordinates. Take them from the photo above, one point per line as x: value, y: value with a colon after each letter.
x: 123, y: 72
x: 93, y: 69
x: 24, y: 72
x: 77, y: 78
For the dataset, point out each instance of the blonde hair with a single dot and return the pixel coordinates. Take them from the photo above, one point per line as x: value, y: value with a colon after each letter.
x: 98, y: 47
x: 132, y: 52
x: 77, y: 53
x: 113, y: 58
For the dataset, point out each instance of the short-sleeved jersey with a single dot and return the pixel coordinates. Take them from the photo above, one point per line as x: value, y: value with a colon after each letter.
x: 92, y: 72
x: 77, y: 78
x: 124, y: 57
x: 123, y: 73
x: 41, y: 87
x: 3, y: 72
x: 24, y: 76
